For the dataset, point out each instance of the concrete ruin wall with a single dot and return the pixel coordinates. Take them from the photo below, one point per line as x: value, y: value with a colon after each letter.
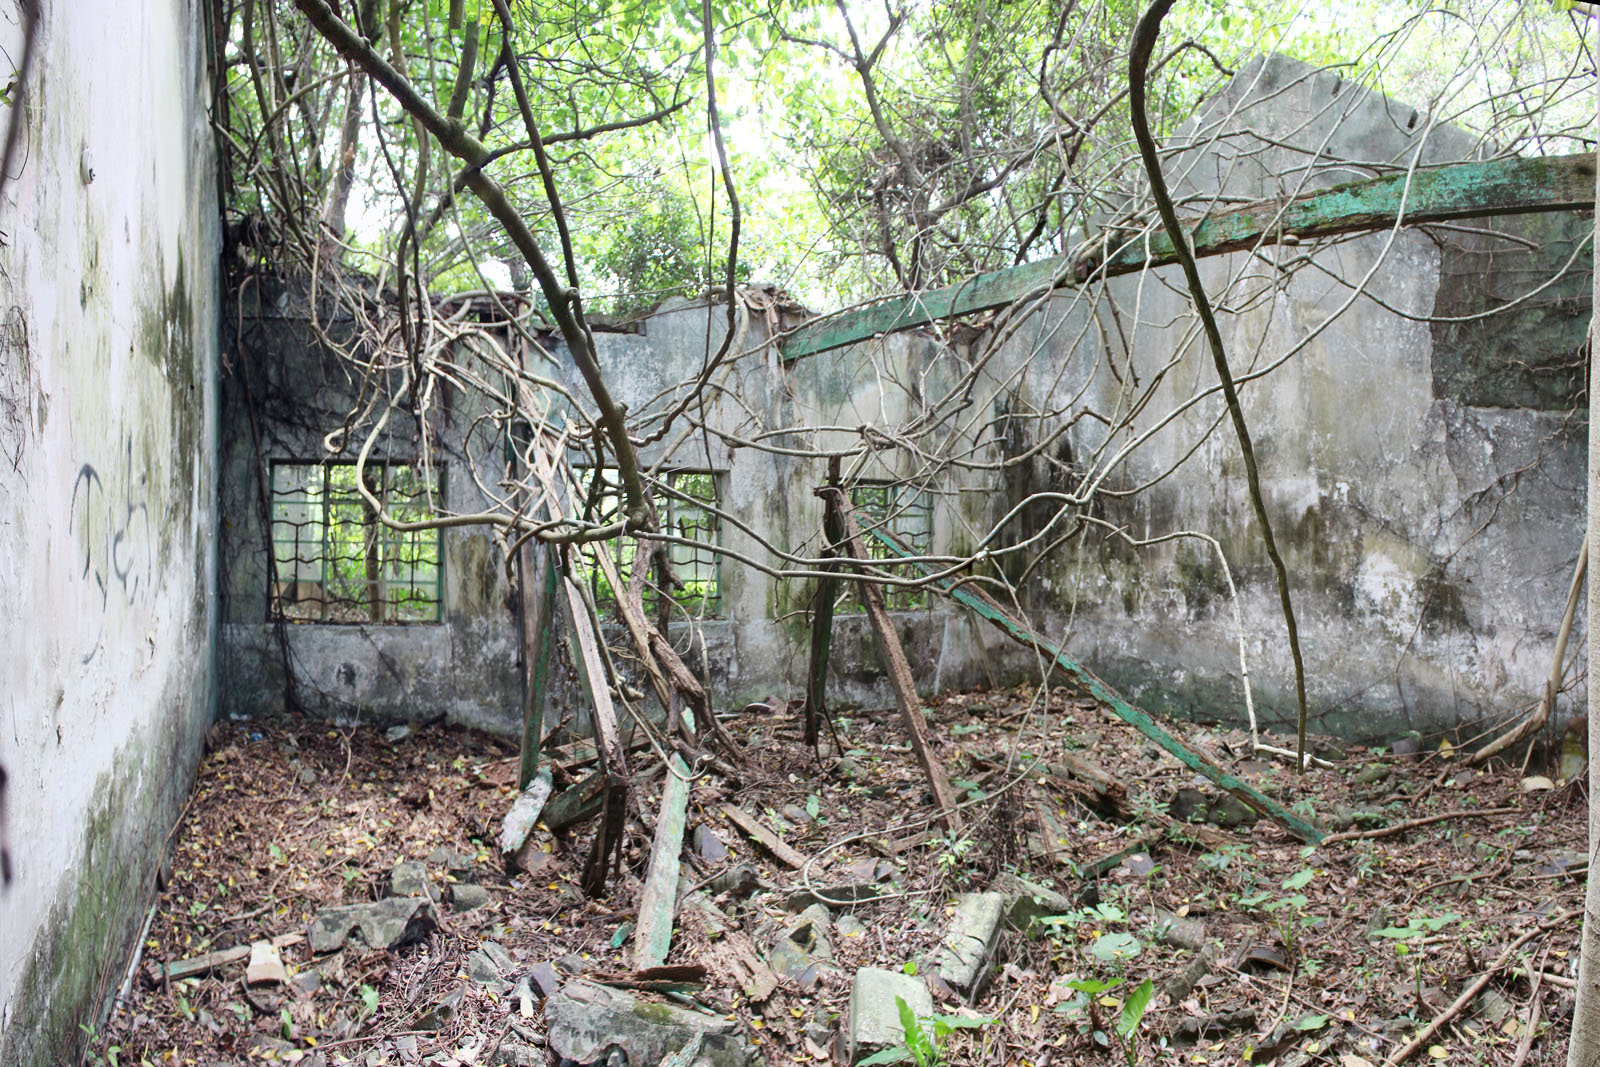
x: 108, y: 278
x: 1425, y: 481
x: 466, y: 668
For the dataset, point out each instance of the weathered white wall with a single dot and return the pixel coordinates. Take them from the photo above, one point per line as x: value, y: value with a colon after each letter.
x: 1427, y: 494
x: 106, y: 493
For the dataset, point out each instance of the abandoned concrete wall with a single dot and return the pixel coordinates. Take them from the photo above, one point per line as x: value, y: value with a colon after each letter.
x: 108, y: 275
x: 466, y: 666
x: 462, y: 667
x: 1425, y: 481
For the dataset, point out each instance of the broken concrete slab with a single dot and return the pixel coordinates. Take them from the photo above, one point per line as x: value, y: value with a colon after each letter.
x: 970, y: 941
x: 1030, y: 901
x: 586, y: 1021
x: 387, y: 923
x: 265, y: 966
x: 465, y: 896
x: 708, y: 846
x: 410, y: 879
x: 874, y: 1015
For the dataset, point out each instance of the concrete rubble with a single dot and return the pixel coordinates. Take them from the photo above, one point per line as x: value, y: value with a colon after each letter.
x: 970, y: 941
x: 387, y: 923
x: 588, y: 1021
x: 874, y: 1015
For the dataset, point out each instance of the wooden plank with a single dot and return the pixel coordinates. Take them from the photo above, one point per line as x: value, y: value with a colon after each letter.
x: 537, y: 578
x: 1137, y: 718
x: 652, y: 937
x: 209, y: 962
x: 517, y: 830
x: 577, y: 804
x: 758, y: 833
x: 1441, y: 194
x: 905, y: 687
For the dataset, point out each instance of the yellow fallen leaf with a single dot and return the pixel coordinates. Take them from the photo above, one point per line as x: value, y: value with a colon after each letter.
x: 1438, y: 1052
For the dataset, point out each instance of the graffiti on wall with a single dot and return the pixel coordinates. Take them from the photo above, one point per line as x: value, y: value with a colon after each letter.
x: 113, y: 528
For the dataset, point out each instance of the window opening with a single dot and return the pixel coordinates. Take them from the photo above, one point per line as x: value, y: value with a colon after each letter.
x: 685, y: 503
x: 905, y: 514
x: 336, y: 563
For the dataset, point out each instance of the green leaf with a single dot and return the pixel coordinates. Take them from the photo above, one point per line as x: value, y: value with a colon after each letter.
x: 1300, y: 879
x: 1114, y: 947
x: 1312, y: 1022
x: 909, y: 967
x: 897, y: 1054
x: 1398, y: 932
x: 813, y: 806
x: 1092, y: 986
x: 1133, y: 1008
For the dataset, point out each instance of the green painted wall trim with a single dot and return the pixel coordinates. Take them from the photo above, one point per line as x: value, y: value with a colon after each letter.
x: 1456, y: 191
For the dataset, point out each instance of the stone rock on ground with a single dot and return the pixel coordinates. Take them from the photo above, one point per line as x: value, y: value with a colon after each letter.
x: 1030, y: 901
x: 970, y: 941
x: 585, y: 1020
x: 874, y: 1015
x: 410, y: 879
x: 488, y: 964
x: 464, y: 896
x: 387, y: 923
x: 708, y: 845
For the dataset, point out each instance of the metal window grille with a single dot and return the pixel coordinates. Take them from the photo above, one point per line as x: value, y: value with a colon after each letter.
x: 684, y: 503
x: 905, y: 514
x: 336, y: 563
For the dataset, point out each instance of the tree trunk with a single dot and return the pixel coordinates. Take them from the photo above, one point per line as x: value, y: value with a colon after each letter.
x: 1584, y: 1048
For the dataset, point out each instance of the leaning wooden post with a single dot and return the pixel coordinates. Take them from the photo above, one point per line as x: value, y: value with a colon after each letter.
x: 538, y: 580
x: 822, y: 619
x: 905, y: 688
x: 584, y: 642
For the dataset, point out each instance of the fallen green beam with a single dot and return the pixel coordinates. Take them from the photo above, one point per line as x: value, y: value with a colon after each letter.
x: 1138, y: 719
x: 1457, y: 191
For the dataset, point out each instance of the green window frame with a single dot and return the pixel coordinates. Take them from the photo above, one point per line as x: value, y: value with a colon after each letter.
x: 334, y: 562
x: 686, y: 503
x: 905, y: 514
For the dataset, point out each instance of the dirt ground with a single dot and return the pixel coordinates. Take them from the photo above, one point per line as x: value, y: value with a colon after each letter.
x: 1335, y: 955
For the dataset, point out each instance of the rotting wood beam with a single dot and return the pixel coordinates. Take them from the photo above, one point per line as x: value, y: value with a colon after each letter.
x: 652, y: 937
x: 1441, y: 194
x: 1137, y: 718
x: 900, y: 677
x: 537, y: 577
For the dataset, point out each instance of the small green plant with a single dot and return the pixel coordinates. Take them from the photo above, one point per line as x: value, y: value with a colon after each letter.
x: 924, y: 1037
x: 956, y: 847
x: 92, y: 1056
x: 1131, y: 1013
x: 1287, y: 911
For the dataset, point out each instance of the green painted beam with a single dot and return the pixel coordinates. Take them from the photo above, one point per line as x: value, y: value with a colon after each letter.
x: 1137, y: 718
x: 1457, y: 191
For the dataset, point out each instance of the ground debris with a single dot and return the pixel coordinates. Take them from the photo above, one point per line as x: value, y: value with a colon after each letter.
x: 862, y: 881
